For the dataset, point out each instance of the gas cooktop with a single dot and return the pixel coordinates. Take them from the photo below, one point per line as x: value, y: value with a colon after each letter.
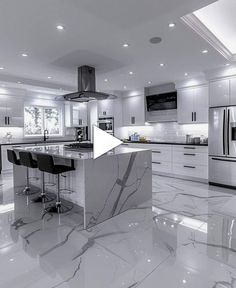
x: 78, y: 146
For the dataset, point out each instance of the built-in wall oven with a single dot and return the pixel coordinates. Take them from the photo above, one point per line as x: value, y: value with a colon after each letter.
x: 106, y: 124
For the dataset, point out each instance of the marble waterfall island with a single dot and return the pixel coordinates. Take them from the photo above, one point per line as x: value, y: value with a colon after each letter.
x: 104, y: 187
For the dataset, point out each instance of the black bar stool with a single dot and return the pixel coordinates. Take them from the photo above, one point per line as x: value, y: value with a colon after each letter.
x: 46, y: 164
x: 11, y: 157
x: 27, y: 160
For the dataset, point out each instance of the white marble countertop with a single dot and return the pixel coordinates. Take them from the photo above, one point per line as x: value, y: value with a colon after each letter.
x: 83, y: 154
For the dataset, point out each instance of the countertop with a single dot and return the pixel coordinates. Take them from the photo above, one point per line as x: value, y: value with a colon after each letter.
x: 165, y: 143
x: 33, y: 142
x: 83, y: 154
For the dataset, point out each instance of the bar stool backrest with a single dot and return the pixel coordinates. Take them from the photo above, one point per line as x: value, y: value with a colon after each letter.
x: 11, y: 157
x: 46, y: 163
x: 26, y: 159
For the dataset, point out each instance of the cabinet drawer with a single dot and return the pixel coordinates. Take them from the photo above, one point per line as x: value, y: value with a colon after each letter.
x: 190, y: 157
x: 197, y: 171
x: 160, y: 155
x: 192, y: 148
x: 160, y: 166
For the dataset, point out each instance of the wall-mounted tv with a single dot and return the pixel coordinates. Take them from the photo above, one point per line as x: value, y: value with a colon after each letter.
x: 164, y: 101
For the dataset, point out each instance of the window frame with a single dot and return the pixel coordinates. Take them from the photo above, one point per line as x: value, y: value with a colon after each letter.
x: 61, y: 130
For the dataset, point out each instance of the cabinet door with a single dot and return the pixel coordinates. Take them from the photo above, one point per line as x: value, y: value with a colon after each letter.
x: 185, y: 105
x: 3, y: 112
x: 106, y: 108
x: 133, y: 110
x: 6, y: 165
x: 83, y: 114
x: 219, y: 93
x: 233, y: 91
x: 201, y: 105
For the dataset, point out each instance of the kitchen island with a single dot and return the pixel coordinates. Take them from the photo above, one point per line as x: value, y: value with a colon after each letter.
x: 105, y: 187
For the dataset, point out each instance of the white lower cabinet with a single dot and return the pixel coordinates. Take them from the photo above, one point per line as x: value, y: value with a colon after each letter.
x: 182, y: 161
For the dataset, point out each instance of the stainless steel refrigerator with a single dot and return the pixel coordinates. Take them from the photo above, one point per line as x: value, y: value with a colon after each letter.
x: 222, y: 146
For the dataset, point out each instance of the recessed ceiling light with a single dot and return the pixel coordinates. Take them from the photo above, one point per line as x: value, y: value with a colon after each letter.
x: 1, y: 68
x: 204, y: 51
x: 227, y: 64
x: 18, y: 82
x: 149, y: 82
x: 162, y: 65
x: 131, y: 73
x: 49, y: 77
x: 60, y: 27
x: 185, y: 74
x: 125, y: 87
x: 171, y: 25
x: 106, y: 80
x: 125, y: 45
x: 24, y: 55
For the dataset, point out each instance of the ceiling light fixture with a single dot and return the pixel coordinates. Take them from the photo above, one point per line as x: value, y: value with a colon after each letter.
x: 227, y: 64
x: 149, y: 82
x: 125, y: 45
x: 125, y: 87
x: 18, y: 82
x: 155, y: 40
x: 131, y: 73
x: 60, y: 27
x: 106, y: 80
x: 171, y: 25
x: 162, y: 65
x: 49, y: 77
x: 185, y: 74
x: 24, y: 55
x: 1, y: 68
x: 204, y: 51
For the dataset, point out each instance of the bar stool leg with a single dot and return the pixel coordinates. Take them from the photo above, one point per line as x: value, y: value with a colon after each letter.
x: 58, y: 203
x: 27, y: 188
x: 43, y: 198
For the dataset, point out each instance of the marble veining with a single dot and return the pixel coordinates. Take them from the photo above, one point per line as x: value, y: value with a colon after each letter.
x: 187, y: 239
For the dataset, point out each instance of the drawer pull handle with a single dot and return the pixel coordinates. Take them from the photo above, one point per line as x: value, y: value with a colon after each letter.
x: 157, y: 162
x: 191, y: 167
x: 191, y: 148
x: 189, y: 154
x: 156, y: 152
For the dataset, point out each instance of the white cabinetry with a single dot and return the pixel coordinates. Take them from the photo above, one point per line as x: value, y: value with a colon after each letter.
x: 76, y: 115
x: 193, y: 105
x: 133, y: 110
x: 181, y: 161
x: 219, y: 93
x: 106, y: 108
x: 233, y: 91
x: 11, y: 112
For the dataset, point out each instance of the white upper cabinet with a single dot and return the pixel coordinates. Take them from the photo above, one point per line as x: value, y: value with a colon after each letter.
x: 106, y: 108
x: 11, y: 112
x: 219, y: 93
x: 233, y: 91
x: 76, y: 115
x: 193, y: 105
x: 201, y: 104
x: 185, y: 105
x: 133, y: 110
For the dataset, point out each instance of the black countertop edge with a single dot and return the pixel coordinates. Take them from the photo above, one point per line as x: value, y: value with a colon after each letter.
x: 37, y: 142
x: 166, y: 143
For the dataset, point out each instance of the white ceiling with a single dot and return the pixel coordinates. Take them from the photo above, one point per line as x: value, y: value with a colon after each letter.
x: 94, y: 33
x: 220, y: 19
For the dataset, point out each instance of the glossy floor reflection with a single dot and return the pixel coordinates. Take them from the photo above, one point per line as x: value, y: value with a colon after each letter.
x: 188, y: 239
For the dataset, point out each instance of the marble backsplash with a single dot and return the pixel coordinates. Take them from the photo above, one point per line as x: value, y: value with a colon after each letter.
x: 170, y: 131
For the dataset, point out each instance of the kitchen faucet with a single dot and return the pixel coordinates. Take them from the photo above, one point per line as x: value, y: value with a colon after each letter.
x: 45, y: 134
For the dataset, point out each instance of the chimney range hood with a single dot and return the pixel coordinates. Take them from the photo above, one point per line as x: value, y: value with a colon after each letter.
x: 87, y: 87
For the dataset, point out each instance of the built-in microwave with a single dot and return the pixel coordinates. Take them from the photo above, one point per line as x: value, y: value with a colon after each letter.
x: 165, y: 101
x: 106, y: 124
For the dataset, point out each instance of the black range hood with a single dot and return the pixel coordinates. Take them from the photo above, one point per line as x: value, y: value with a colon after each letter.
x: 87, y: 87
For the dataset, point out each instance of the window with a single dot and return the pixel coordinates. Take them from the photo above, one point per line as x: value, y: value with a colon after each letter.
x: 37, y: 119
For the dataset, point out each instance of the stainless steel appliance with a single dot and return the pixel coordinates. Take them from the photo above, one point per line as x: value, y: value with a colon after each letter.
x: 87, y: 87
x: 106, y: 124
x: 222, y: 146
x: 81, y: 134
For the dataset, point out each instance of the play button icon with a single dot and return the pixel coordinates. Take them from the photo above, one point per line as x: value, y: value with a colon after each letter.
x: 103, y: 142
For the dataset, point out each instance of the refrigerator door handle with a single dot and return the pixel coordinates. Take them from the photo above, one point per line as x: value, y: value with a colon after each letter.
x: 228, y: 123
x: 224, y: 133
